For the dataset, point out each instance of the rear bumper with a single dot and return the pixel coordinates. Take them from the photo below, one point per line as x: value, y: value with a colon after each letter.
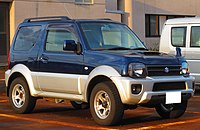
x: 7, y: 74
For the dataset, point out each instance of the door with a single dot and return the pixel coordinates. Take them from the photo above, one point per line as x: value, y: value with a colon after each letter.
x: 60, y: 70
x: 193, y: 52
x: 4, y: 31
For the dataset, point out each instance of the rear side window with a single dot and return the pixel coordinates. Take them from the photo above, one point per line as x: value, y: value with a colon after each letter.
x: 178, y: 36
x: 26, y: 38
x: 195, y: 37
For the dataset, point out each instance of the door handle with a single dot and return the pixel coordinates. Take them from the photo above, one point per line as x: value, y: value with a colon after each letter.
x: 44, y: 59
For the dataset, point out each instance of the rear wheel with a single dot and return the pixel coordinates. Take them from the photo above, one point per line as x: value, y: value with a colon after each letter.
x: 105, y: 104
x: 19, y: 96
x: 171, y: 110
x: 79, y: 105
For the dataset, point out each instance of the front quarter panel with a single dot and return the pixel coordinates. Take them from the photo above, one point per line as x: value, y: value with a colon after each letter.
x: 106, y: 71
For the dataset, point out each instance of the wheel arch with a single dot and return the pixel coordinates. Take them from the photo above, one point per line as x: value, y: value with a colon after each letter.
x: 95, y: 81
x: 21, y: 70
x: 100, y: 74
x: 11, y: 78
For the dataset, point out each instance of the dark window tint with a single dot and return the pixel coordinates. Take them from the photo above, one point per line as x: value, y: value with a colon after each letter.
x: 195, y: 37
x: 56, y: 38
x: 178, y: 36
x: 26, y: 38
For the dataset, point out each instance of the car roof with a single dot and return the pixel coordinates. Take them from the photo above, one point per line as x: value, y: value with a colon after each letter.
x: 193, y: 20
x: 61, y: 19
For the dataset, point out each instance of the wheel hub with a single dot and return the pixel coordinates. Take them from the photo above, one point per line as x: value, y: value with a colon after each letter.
x: 102, y: 104
x: 105, y: 104
x: 18, y: 96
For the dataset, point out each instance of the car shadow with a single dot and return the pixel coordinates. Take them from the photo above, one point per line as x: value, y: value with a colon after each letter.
x: 128, y: 119
x: 197, y: 91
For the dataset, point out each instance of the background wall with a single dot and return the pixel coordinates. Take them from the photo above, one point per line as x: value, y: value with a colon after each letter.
x: 160, y: 7
x: 21, y: 9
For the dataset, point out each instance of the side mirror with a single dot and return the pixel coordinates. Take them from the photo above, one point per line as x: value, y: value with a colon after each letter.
x: 178, y: 52
x: 69, y: 45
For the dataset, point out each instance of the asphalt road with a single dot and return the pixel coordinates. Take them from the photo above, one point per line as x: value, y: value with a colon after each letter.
x: 49, y: 115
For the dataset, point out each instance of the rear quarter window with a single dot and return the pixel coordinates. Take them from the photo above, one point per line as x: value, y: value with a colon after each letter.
x: 26, y: 38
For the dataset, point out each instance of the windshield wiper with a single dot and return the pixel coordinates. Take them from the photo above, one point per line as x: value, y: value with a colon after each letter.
x: 139, y: 48
x: 119, y: 48
x: 122, y: 48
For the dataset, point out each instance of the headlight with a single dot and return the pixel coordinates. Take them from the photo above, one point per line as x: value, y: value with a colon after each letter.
x: 137, y: 70
x: 184, y: 69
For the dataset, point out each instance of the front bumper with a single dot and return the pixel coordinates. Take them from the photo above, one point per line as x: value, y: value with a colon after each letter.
x: 147, y: 95
x: 162, y: 99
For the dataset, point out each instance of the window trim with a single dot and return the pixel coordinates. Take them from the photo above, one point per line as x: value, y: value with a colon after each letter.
x: 191, y: 38
x: 58, y: 29
x: 185, y: 33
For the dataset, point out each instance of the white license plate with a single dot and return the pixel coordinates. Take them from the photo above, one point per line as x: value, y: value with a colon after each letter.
x: 173, y: 97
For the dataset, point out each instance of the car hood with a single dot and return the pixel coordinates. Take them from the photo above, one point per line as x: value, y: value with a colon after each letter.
x: 146, y: 57
x: 121, y: 59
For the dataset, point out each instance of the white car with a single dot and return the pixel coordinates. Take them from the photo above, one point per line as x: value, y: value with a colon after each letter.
x: 183, y: 33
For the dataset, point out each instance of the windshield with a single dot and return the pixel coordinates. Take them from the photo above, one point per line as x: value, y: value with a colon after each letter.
x: 110, y: 36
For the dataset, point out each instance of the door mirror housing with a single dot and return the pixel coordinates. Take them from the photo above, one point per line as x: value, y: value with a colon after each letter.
x: 178, y: 52
x: 69, y: 45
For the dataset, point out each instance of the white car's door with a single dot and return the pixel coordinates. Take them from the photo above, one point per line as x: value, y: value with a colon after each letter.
x: 193, y: 52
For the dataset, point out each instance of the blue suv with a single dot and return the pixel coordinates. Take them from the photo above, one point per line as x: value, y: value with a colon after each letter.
x: 97, y: 64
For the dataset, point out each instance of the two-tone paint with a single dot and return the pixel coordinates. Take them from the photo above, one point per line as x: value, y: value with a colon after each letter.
x: 69, y: 75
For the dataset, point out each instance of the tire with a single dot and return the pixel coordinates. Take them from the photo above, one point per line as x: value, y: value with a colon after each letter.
x: 105, y: 104
x: 19, y: 96
x: 171, y: 110
x: 79, y: 105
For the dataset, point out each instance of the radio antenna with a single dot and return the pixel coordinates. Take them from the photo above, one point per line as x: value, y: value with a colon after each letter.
x: 67, y: 11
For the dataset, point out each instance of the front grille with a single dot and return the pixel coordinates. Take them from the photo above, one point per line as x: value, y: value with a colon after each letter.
x: 169, y: 86
x: 167, y: 70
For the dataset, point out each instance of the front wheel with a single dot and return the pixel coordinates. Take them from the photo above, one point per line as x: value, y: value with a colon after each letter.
x: 105, y: 104
x: 171, y: 110
x: 19, y: 96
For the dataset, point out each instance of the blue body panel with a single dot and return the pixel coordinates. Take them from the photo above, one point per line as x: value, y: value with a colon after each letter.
x: 72, y: 63
x: 120, y: 59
